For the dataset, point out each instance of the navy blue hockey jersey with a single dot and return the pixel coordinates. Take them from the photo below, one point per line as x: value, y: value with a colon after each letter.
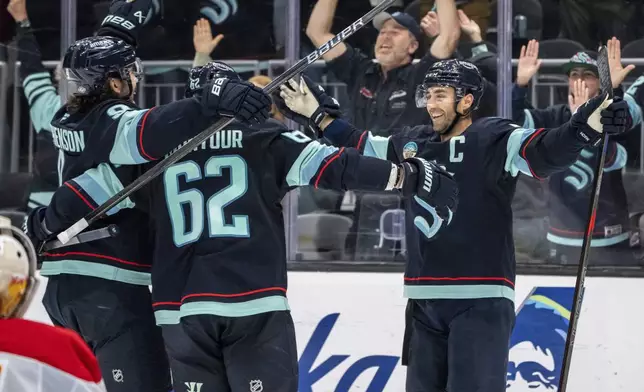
x: 220, y: 242
x: 473, y: 257
x: 570, y: 189
x: 100, y: 144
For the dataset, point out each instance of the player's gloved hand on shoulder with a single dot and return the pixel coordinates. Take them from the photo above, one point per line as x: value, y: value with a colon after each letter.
x: 434, y: 192
x: 34, y: 227
x: 599, y: 115
x: 236, y: 98
x: 306, y: 102
x: 125, y: 19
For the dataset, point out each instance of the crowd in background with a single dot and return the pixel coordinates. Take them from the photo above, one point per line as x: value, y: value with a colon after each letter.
x: 379, y: 96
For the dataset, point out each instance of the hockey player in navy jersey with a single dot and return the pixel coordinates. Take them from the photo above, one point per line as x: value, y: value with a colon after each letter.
x: 219, y: 272
x: 100, y: 289
x: 460, y: 286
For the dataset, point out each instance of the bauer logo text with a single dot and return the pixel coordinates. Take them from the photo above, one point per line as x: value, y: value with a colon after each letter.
x: 335, y: 41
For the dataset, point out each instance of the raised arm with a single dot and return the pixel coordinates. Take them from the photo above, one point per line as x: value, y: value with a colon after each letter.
x: 41, y: 94
x: 149, y: 134
x: 542, y: 152
x: 204, y: 42
x: 307, y: 162
x: 307, y: 103
x: 449, y: 32
x: 319, y: 28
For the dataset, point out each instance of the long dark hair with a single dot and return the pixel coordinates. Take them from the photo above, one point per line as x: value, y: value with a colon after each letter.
x: 85, y: 103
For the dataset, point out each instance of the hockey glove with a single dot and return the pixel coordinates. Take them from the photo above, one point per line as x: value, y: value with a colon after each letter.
x: 35, y: 228
x: 433, y: 191
x: 599, y: 115
x: 125, y: 19
x: 306, y: 102
x: 235, y: 98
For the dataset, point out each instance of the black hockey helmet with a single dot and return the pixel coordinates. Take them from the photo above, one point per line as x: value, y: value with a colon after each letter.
x: 203, y: 75
x: 463, y: 76
x: 89, y: 62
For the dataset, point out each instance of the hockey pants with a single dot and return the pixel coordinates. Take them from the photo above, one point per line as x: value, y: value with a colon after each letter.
x: 457, y: 345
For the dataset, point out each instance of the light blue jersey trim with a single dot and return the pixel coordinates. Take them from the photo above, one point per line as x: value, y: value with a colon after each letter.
x: 514, y: 163
x: 634, y: 109
x: 308, y: 163
x: 167, y: 317
x: 96, y: 270
x: 125, y: 150
x: 100, y: 184
x: 37, y: 75
x: 43, y: 100
x: 240, y: 309
x: 34, y: 82
x: 40, y: 199
x: 458, y: 292
x: 595, y: 242
x: 376, y: 146
x: 528, y: 122
x: 621, y: 156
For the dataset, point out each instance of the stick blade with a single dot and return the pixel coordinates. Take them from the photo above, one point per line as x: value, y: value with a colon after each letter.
x: 605, y: 82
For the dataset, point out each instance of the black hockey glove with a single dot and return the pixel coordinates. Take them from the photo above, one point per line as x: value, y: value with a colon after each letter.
x: 306, y: 111
x: 35, y: 228
x: 125, y: 19
x: 235, y: 98
x: 597, y: 116
x: 433, y: 191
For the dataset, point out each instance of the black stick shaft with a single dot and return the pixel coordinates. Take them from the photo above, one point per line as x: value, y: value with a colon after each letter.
x: 606, y: 87
x: 298, y: 67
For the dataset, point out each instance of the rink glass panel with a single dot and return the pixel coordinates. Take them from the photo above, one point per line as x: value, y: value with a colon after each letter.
x: 327, y: 229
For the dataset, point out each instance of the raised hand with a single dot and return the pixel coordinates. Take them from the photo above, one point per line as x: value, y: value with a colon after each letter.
x: 617, y: 72
x: 18, y: 10
x: 125, y: 19
x: 306, y: 102
x: 202, y: 37
x: 469, y: 27
x: 529, y: 63
x: 578, y: 95
x: 430, y: 24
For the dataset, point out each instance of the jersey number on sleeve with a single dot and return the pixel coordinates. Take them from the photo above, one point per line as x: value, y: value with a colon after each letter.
x: 213, y: 208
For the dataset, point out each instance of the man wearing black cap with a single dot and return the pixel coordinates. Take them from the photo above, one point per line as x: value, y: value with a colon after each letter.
x: 570, y: 190
x: 381, y: 95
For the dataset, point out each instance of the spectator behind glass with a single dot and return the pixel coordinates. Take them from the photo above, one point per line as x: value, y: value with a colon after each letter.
x: 570, y: 189
x: 381, y: 95
x: 43, y: 101
x: 476, y: 10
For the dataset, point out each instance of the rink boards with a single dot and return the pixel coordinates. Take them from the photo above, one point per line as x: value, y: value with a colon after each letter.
x: 350, y: 327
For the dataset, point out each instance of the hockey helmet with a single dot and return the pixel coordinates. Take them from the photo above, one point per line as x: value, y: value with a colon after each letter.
x: 89, y: 62
x: 203, y: 75
x: 18, y: 280
x: 463, y: 76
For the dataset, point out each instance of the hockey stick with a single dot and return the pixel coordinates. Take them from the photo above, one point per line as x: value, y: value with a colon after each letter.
x: 159, y: 168
x: 606, y: 86
x: 105, y: 232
